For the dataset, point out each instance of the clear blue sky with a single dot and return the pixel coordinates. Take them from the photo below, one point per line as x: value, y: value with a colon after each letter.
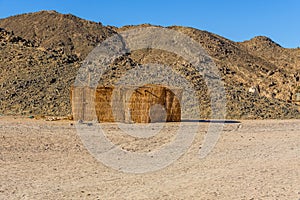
x: 237, y: 20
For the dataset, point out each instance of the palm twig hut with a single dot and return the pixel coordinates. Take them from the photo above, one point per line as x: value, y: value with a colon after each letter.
x: 149, y: 103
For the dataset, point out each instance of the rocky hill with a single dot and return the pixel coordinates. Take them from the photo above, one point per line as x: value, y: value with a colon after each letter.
x: 34, y: 80
x: 64, y: 33
x: 40, y: 54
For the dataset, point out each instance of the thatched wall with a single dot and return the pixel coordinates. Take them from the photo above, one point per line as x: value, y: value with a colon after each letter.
x: 149, y: 103
x: 83, y: 103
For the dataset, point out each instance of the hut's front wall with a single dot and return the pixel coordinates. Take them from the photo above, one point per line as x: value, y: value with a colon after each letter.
x: 141, y: 101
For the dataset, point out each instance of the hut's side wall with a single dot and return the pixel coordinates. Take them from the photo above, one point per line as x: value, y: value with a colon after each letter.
x: 83, y: 103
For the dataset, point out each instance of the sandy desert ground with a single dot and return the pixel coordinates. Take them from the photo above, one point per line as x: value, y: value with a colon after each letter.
x: 252, y: 160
